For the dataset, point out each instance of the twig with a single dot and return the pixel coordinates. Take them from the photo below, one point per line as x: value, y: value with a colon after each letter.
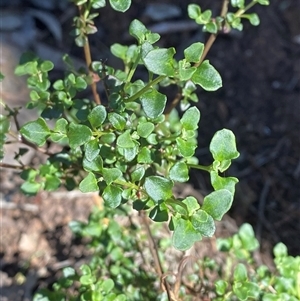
x: 173, y: 103
x: 155, y: 256
x: 17, y: 167
x: 88, y: 60
x: 181, y: 267
x: 207, y: 47
x: 213, y: 36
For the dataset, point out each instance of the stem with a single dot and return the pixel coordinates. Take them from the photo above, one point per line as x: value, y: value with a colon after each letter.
x: 147, y: 87
x: 155, y: 255
x: 213, y: 36
x: 133, y: 68
x: 126, y: 184
x: 88, y: 60
x: 202, y: 167
x: 17, y: 167
x: 243, y: 10
x: 207, y: 47
x: 174, y: 103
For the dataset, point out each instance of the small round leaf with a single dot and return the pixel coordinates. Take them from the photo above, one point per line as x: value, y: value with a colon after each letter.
x: 158, y: 188
x: 78, y: 134
x: 89, y: 184
x: 207, y: 77
x: 153, y: 103
x: 36, y: 131
x: 120, y: 5
x: 112, y: 196
x: 179, y: 172
x: 218, y: 203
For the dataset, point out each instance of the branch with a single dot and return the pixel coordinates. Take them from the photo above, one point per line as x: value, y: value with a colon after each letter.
x: 16, y: 167
x: 155, y: 255
x: 88, y: 60
x: 213, y: 36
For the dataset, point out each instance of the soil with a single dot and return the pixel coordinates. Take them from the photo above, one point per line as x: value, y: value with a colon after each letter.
x: 260, y: 102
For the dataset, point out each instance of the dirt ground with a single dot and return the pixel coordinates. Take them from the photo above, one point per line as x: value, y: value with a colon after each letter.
x: 260, y: 102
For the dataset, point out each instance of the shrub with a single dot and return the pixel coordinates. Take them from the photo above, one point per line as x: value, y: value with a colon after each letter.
x: 132, y: 144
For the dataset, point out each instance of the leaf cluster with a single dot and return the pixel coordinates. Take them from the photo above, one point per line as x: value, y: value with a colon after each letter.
x: 131, y: 148
x: 112, y: 271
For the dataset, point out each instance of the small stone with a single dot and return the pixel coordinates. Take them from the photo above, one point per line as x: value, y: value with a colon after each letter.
x: 28, y: 242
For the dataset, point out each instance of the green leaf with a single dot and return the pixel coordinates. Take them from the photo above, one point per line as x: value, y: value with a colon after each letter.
x: 52, y: 182
x: 119, y: 51
x: 184, y: 235
x: 207, y: 77
x: 120, y: 5
x: 78, y: 134
x: 93, y: 165
x: 185, y: 70
x: 151, y: 139
x: 179, y: 172
x: 203, y: 223
x: 80, y: 83
x: 91, y: 149
x: 1, y: 77
x: 190, y: 119
x: 31, y: 188
x: 217, y: 203
x: 46, y: 66
x: 68, y: 272
x: 138, y: 30
x: 186, y: 147
x: 125, y: 140
x: 145, y: 129
x: 263, y: 2
x: 240, y: 273
x: 160, y: 61
x: 4, y: 124
x: 222, y: 182
x: 111, y: 174
x: 204, y: 17
x: 158, y: 188
x: 280, y: 250
x: 223, y: 146
x: 253, y: 19
x: 112, y: 195
x: 87, y: 280
x: 221, y: 287
x: 61, y: 126
x: 178, y: 205
x: 117, y: 121
x: 97, y: 116
x: 238, y: 3
x: 153, y: 103
x: 29, y: 174
x: 108, y: 138
x: 96, y: 4
x: 89, y: 184
x: 138, y: 174
x: 247, y: 236
x: 128, y: 153
x: 145, y: 156
x: 36, y: 131
x: 107, y: 285
x: 194, y: 11
x: 194, y: 52
x: 191, y: 204
x: 211, y: 27
x: 158, y: 215
x: 236, y: 23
